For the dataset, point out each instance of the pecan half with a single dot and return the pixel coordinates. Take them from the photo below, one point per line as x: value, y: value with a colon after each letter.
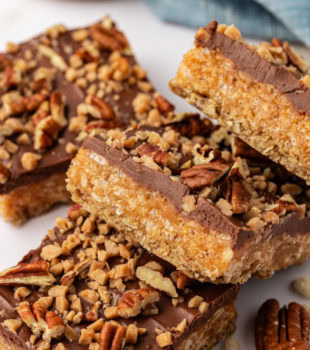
x: 159, y: 157
x: 109, y: 39
x: 106, y: 111
x: 112, y: 337
x: 204, y: 174
x: 287, y: 328
x: 34, y: 274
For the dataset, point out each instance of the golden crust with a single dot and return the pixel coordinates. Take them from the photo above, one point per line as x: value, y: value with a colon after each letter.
x: 32, y: 200
x: 256, y: 112
x: 148, y: 218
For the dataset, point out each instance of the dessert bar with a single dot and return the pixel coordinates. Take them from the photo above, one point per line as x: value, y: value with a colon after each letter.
x: 87, y: 288
x: 259, y: 93
x: 54, y: 89
x: 196, y: 196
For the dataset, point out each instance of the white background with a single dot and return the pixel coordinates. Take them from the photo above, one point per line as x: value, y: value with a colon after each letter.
x: 159, y: 48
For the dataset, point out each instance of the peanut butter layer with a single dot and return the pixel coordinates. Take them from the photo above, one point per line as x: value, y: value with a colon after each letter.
x: 197, y: 197
x: 261, y: 94
x: 86, y: 287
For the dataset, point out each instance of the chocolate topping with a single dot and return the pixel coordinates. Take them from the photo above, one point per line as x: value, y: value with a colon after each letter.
x: 169, y: 316
x: 119, y: 93
x: 250, y: 62
x: 205, y: 212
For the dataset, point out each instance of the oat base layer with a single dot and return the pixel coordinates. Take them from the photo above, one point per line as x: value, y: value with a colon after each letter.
x: 32, y: 200
x: 148, y: 218
x: 258, y: 113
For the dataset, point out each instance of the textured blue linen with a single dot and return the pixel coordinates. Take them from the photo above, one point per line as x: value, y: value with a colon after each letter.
x: 285, y: 19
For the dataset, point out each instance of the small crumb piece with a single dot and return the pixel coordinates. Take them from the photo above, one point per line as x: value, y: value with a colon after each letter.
x: 203, y: 307
x: 71, y: 148
x: 302, y: 286
x: 188, y: 204
x: 232, y: 344
x: 13, y: 325
x: 224, y: 206
x: 30, y: 160
x: 132, y: 334
x: 164, y: 339
x: 111, y: 312
x: 195, y: 302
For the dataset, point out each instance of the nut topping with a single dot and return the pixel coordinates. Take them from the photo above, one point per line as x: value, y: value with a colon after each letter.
x: 286, y: 328
x: 112, y: 337
x: 35, y: 274
x: 110, y: 39
x: 204, y: 174
x: 156, y: 280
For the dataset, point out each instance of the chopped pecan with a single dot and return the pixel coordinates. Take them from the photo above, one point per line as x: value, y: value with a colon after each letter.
x: 156, y: 280
x: 193, y: 126
x: 45, y: 133
x: 163, y: 105
x: 182, y: 280
x: 294, y: 58
x: 243, y: 150
x: 132, y: 302
x: 57, y: 105
x: 236, y: 194
x: 55, y: 326
x: 27, y: 316
x: 106, y: 111
x: 286, y: 328
x: 103, y: 124
x: 4, y: 174
x: 159, y: 157
x: 112, y: 337
x: 17, y: 105
x: 85, y: 55
x: 11, y: 77
x: 284, y: 204
x: 109, y: 39
x: 34, y: 273
x: 204, y: 174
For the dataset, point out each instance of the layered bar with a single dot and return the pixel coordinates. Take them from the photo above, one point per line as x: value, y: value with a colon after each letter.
x: 197, y: 197
x: 54, y: 89
x: 87, y: 288
x: 259, y: 93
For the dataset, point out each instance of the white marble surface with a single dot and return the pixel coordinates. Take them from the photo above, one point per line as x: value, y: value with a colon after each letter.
x: 159, y: 48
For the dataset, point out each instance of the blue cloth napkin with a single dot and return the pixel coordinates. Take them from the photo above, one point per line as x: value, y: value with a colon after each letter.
x: 285, y: 19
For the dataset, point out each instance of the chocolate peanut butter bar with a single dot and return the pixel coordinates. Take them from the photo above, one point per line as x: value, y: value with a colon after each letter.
x: 285, y: 328
x: 259, y: 93
x: 197, y: 197
x: 87, y: 288
x: 54, y: 89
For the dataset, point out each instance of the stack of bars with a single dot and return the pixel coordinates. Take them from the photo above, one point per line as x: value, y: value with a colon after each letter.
x: 87, y: 286
x: 172, y: 212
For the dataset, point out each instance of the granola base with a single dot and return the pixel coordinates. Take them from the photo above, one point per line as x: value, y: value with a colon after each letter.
x: 258, y: 113
x: 32, y: 200
x: 220, y: 326
x: 148, y: 218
